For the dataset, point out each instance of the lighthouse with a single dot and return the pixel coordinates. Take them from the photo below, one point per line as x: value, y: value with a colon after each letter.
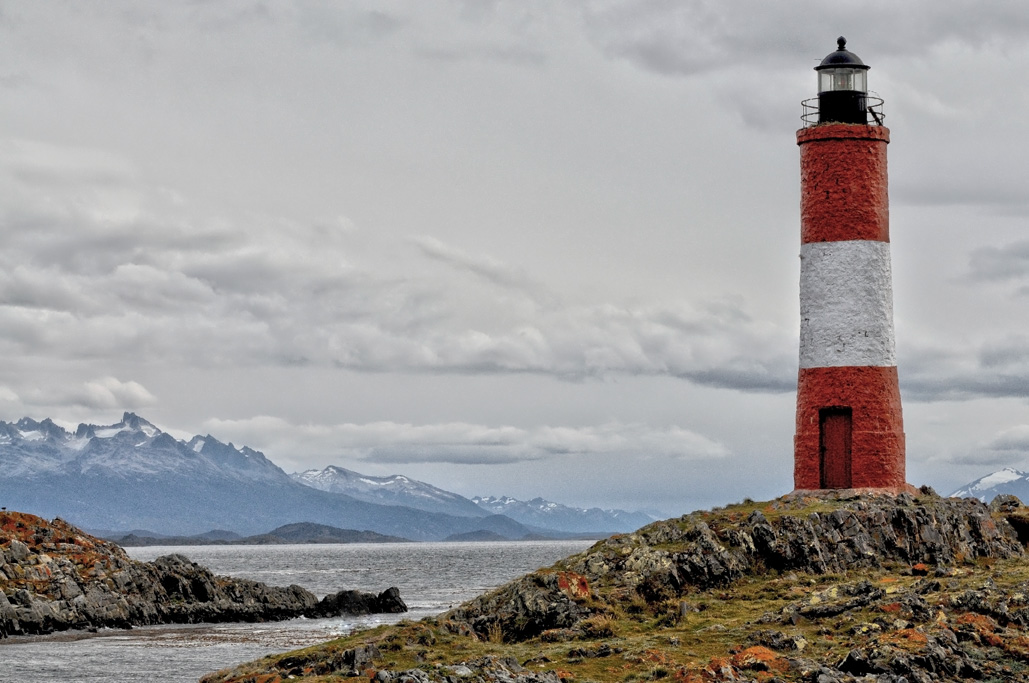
x: 850, y: 430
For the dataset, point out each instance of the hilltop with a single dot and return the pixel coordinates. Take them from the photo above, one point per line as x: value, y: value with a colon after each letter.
x: 822, y: 589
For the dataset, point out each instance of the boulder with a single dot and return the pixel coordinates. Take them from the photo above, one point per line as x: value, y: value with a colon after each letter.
x: 357, y: 602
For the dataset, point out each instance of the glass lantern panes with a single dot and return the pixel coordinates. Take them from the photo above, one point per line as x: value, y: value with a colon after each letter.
x: 830, y: 80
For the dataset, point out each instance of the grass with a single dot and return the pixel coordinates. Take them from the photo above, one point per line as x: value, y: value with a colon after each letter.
x: 661, y: 642
x: 746, y: 625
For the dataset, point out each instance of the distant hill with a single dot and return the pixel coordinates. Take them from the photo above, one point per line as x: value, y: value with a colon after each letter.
x: 301, y: 532
x: 1007, y: 481
x: 306, y: 532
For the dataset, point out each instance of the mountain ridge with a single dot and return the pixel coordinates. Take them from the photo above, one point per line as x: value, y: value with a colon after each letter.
x: 547, y: 514
x: 133, y: 475
x: 395, y: 489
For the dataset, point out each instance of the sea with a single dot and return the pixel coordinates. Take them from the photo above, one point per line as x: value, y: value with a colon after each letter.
x: 432, y: 577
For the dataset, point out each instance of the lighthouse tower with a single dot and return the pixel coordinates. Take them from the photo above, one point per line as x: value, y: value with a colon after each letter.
x: 850, y: 432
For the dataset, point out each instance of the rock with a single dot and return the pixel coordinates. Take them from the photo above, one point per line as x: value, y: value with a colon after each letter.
x: 55, y: 577
x: 355, y: 661
x: 17, y: 552
x: 528, y: 606
x: 357, y: 602
x: 777, y: 640
x: 1005, y: 503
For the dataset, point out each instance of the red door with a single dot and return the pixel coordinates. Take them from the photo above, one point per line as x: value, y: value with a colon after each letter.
x: 834, y: 447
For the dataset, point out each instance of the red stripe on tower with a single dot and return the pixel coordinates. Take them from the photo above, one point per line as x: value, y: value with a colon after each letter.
x: 850, y: 430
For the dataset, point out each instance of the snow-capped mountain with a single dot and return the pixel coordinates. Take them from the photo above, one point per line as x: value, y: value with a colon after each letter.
x: 1007, y: 481
x: 133, y: 475
x: 393, y: 490
x: 128, y: 449
x: 543, y: 513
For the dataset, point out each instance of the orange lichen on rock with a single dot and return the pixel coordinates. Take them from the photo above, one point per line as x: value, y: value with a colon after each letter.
x: 984, y: 628
x: 759, y: 658
x: 910, y: 639
x: 573, y: 585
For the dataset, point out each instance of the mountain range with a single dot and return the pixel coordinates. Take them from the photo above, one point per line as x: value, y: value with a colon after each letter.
x: 544, y: 513
x: 393, y: 490
x: 132, y: 475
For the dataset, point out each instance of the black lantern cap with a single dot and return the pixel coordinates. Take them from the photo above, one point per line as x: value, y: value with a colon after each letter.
x: 842, y: 58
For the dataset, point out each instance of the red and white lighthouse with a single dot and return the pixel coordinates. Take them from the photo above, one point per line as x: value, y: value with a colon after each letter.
x: 850, y: 432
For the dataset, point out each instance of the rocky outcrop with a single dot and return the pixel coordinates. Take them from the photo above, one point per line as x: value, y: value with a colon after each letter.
x: 832, y: 588
x: 706, y: 550
x: 54, y: 577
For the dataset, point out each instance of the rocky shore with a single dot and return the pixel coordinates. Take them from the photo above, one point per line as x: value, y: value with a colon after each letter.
x: 55, y: 577
x: 821, y: 589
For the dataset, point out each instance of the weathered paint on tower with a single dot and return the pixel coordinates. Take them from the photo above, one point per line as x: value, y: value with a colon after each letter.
x: 850, y: 431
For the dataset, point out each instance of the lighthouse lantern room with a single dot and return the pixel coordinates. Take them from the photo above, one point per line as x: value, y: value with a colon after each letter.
x: 842, y: 87
x: 849, y: 425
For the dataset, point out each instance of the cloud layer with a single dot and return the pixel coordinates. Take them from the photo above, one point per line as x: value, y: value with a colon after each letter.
x: 465, y: 444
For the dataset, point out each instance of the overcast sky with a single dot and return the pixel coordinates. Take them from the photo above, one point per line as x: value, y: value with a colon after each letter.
x: 509, y: 248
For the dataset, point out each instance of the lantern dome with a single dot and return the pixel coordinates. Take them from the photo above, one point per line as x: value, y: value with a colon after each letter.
x: 842, y: 57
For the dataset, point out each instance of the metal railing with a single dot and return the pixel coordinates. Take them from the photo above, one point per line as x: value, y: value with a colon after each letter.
x: 873, y: 104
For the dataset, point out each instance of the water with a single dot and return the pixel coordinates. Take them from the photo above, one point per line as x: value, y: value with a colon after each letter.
x: 431, y: 577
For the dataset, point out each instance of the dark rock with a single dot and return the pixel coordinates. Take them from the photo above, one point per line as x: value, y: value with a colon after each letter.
x: 357, y: 602
x: 528, y: 606
x: 777, y: 640
x: 355, y: 661
x: 1005, y: 503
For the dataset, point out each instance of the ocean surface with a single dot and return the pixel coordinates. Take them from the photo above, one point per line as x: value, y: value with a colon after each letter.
x: 432, y: 577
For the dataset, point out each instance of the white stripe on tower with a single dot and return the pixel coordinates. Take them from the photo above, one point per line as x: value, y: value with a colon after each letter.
x: 846, y: 304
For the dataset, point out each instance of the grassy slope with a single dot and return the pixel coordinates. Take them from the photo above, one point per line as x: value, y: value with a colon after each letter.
x: 764, y: 625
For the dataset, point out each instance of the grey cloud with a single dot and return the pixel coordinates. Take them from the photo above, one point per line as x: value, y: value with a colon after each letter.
x: 105, y: 393
x: 1006, y: 448
x: 486, y: 267
x: 45, y: 289
x: 776, y: 377
x: 964, y: 187
x: 984, y: 457
x: 1000, y: 263
x: 1006, y: 354
x: 994, y: 364
x: 699, y: 36
x: 349, y: 27
x: 463, y: 443
x: 193, y: 292
x: 1013, y: 439
x: 514, y: 54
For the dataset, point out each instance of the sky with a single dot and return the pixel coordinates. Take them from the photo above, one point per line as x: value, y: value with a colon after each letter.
x: 512, y: 248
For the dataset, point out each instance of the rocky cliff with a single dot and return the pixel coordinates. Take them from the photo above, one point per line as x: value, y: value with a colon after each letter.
x: 819, y: 589
x: 55, y: 577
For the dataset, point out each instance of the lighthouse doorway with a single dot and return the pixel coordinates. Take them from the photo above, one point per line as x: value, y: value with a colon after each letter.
x: 834, y: 432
